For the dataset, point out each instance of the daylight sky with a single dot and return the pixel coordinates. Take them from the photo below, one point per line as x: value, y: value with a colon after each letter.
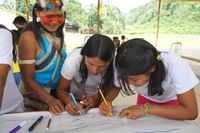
x: 123, y: 5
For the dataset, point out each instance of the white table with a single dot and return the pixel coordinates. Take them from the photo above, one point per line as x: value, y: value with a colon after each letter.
x: 95, y: 122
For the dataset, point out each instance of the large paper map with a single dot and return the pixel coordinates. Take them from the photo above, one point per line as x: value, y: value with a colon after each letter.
x: 95, y: 122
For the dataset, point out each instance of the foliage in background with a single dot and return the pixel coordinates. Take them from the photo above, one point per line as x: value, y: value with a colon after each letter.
x: 176, y: 17
x: 9, y: 4
x: 20, y: 6
x: 75, y: 14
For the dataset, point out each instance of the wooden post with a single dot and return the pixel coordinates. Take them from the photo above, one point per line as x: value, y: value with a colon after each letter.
x: 158, y: 22
x: 98, y: 16
x: 27, y: 10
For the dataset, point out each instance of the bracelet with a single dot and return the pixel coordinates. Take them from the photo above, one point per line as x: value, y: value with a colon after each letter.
x: 147, y: 108
x: 141, y: 110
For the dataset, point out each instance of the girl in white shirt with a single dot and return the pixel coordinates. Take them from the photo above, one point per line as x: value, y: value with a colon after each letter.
x: 85, y: 71
x: 164, y: 82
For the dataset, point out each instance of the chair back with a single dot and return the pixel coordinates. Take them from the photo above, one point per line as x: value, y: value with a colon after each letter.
x: 176, y: 47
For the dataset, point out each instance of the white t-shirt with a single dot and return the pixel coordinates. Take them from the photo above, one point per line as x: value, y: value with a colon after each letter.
x: 70, y: 71
x: 12, y: 99
x: 179, y: 79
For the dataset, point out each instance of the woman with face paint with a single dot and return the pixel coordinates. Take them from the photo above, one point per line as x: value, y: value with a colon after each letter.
x: 41, y: 56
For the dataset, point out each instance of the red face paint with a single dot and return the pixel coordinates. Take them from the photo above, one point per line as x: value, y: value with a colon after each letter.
x: 52, y: 19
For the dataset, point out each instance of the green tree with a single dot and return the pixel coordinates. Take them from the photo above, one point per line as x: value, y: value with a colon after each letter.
x: 76, y: 14
x: 20, y: 6
x: 92, y: 16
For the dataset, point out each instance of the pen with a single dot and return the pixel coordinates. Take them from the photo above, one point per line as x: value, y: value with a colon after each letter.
x: 14, y: 130
x: 104, y: 100
x: 84, y: 100
x: 73, y: 98
x: 49, y: 122
x: 35, y: 123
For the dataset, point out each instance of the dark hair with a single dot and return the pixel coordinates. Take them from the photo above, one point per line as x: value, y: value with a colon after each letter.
x: 123, y: 37
x: 135, y: 57
x: 16, y: 35
x: 19, y: 20
x: 102, y: 47
x: 34, y: 27
x: 13, y: 42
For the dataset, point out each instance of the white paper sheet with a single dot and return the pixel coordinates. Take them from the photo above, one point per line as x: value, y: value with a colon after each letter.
x: 95, y: 122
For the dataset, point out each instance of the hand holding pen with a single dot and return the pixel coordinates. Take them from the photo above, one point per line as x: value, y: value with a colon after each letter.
x: 105, y: 107
x: 106, y: 110
x: 73, y: 107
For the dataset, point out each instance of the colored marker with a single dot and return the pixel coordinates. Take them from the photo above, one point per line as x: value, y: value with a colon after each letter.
x: 49, y: 122
x: 84, y: 100
x: 35, y: 123
x: 73, y: 98
x: 105, y: 100
x: 18, y: 127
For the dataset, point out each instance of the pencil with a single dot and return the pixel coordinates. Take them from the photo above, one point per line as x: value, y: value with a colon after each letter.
x: 105, y: 101
x: 49, y: 122
x: 74, y: 99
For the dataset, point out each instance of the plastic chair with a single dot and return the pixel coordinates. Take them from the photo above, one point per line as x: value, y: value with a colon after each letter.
x: 176, y: 47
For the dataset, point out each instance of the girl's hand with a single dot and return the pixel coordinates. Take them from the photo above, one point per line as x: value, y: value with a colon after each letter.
x: 92, y: 102
x: 72, y: 109
x: 55, y: 106
x: 132, y: 112
x: 107, y: 111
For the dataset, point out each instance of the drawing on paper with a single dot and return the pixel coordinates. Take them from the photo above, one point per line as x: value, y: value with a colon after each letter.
x: 88, y: 122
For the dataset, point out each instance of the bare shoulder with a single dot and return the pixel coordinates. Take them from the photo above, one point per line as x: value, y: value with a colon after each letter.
x: 27, y: 45
x: 27, y: 38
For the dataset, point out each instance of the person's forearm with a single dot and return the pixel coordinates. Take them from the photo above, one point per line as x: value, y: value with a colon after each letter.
x: 177, y: 112
x: 3, y: 76
x: 63, y: 96
x: 1, y: 94
x: 1, y: 91
x: 112, y: 94
x: 38, y: 91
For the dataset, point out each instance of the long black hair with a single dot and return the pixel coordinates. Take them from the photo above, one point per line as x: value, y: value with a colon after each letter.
x: 138, y: 56
x: 102, y: 47
x: 34, y: 27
